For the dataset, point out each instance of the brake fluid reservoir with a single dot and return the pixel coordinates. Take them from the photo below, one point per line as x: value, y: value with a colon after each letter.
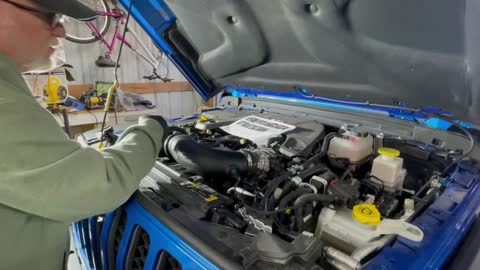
x: 388, y: 167
x: 354, y: 146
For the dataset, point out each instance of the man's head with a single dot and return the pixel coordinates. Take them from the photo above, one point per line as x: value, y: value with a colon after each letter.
x: 30, y: 30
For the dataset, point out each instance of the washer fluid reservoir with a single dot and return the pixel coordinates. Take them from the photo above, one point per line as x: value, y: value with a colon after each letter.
x: 348, y: 230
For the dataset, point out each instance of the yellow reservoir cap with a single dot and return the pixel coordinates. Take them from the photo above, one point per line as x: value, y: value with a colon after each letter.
x: 202, y: 118
x: 366, y: 214
x: 389, y: 152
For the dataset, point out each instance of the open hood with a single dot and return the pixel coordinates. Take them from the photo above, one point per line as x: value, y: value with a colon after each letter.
x: 412, y: 53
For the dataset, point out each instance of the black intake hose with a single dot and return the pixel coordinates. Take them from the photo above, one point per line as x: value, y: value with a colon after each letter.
x: 204, y: 160
x: 290, y: 197
x: 287, y: 188
x: 277, y: 181
x: 301, y: 201
x: 285, y: 201
x: 291, y: 185
x: 306, y: 174
x: 326, y: 143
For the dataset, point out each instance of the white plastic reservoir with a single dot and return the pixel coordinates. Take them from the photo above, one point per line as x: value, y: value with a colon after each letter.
x: 388, y: 167
x: 354, y: 146
x: 347, y: 229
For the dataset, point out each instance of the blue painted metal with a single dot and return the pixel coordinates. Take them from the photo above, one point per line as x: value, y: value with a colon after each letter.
x: 107, y: 225
x: 181, y: 119
x: 80, y: 246
x: 155, y: 18
x: 161, y: 239
x: 437, y: 111
x: 422, y: 116
x: 437, y: 123
x: 72, y: 102
x: 444, y: 224
x: 300, y: 99
x: 466, y: 125
x: 450, y: 215
x: 303, y: 99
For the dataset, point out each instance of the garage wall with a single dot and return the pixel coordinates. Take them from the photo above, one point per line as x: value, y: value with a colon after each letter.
x: 132, y: 69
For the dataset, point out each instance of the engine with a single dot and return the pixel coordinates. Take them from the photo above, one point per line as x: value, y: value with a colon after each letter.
x: 332, y: 196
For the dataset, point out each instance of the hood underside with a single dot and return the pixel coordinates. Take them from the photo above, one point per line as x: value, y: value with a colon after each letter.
x: 408, y: 52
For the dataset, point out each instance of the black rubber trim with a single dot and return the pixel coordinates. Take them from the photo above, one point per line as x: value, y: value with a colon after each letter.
x: 199, y: 246
x: 112, y: 262
x: 98, y: 244
x: 167, y: 262
x: 189, y: 57
x: 133, y: 245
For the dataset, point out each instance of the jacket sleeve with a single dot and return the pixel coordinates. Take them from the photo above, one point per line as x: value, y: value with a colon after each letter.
x: 44, y: 173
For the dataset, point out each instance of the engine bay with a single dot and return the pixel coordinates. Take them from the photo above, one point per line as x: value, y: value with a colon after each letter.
x: 275, y: 191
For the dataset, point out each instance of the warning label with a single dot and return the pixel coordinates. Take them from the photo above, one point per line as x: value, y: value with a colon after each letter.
x: 257, y: 129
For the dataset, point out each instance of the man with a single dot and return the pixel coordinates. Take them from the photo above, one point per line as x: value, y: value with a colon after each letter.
x: 46, y: 180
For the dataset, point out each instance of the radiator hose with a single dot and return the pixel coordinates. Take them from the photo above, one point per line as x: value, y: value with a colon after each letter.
x: 301, y: 201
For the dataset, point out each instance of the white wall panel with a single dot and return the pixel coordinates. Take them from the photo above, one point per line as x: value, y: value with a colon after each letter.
x: 132, y: 68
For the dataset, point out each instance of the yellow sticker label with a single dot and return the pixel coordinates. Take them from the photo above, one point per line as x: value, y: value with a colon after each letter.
x: 211, y: 199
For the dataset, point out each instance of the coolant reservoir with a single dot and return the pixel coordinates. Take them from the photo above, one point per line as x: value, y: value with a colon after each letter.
x: 388, y: 167
x: 354, y: 146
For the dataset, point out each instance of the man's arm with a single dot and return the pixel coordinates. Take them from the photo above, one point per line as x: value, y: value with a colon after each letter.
x: 43, y: 173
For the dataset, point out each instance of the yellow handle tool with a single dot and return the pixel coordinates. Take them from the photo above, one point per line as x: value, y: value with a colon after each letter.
x: 111, y: 91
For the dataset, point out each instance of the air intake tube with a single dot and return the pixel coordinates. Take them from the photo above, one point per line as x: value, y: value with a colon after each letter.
x: 207, y: 161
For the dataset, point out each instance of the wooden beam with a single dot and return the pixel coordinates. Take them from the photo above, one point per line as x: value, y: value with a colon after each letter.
x: 137, y: 88
x: 158, y: 87
x: 77, y: 90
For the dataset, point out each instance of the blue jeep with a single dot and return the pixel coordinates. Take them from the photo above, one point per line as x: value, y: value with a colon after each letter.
x: 326, y: 149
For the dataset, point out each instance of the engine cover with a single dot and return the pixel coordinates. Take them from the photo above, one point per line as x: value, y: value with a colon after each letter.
x: 297, y: 142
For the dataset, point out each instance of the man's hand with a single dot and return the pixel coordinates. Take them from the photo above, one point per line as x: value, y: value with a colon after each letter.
x: 163, y: 123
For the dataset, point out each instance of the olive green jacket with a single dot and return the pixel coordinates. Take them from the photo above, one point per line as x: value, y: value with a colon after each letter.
x: 48, y: 181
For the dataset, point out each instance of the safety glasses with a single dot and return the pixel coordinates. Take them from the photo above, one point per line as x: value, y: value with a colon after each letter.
x: 51, y: 18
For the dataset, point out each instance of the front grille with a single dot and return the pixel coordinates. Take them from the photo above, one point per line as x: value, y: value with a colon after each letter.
x: 87, y: 241
x: 115, y: 237
x: 96, y: 224
x: 138, y: 247
x: 118, y: 235
x: 140, y: 250
x: 167, y: 262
